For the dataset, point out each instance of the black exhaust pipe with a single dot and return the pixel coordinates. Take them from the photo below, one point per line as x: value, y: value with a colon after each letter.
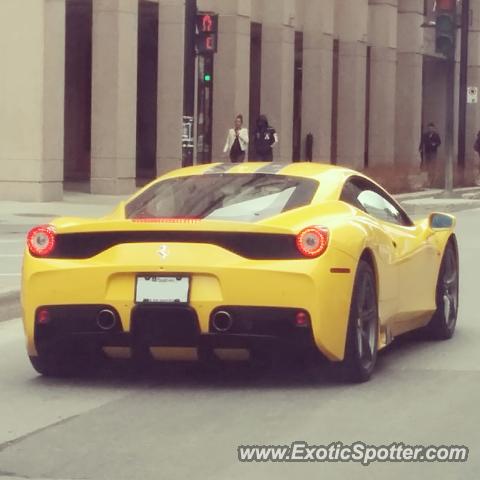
x: 222, y: 321
x: 106, y: 320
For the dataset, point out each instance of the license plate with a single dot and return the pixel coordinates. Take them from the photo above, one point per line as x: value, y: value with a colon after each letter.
x: 162, y: 289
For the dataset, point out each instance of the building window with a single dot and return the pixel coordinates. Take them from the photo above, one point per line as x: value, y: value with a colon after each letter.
x: 367, y: 105
x: 78, y: 90
x: 255, y: 78
x: 334, y: 125
x: 297, y: 97
x: 147, y: 72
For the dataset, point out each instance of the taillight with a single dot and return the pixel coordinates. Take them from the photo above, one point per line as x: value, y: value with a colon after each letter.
x: 302, y: 319
x: 41, y: 240
x: 312, y: 241
x: 43, y: 316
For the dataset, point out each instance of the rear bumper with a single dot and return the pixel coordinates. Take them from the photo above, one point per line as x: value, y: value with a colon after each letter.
x: 218, y: 278
x: 155, y: 326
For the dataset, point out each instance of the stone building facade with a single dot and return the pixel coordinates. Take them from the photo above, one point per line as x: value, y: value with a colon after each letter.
x: 91, y: 91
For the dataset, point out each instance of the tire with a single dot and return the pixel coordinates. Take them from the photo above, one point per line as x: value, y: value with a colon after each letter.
x: 443, y: 322
x: 362, y: 334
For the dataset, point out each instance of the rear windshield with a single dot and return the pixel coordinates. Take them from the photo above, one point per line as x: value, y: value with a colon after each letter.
x: 239, y: 197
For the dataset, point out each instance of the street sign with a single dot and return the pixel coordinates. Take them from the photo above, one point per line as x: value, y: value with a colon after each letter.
x: 472, y: 95
x: 187, y: 134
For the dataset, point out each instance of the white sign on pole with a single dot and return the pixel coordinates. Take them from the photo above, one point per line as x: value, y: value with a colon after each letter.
x: 472, y: 95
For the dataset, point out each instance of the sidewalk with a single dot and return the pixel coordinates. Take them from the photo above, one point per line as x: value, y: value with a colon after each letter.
x: 78, y: 204
x: 74, y: 204
x: 434, y: 200
x: 16, y: 218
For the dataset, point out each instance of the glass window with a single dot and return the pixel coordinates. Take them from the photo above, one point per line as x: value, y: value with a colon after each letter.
x: 379, y: 207
x: 240, y: 197
x: 364, y: 195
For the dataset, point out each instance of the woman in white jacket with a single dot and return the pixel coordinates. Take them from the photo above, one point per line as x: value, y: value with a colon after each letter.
x: 237, y: 141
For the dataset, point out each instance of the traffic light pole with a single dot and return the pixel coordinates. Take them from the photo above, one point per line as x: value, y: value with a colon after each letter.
x: 189, y: 81
x: 445, y: 43
x: 449, y: 125
x: 462, y: 101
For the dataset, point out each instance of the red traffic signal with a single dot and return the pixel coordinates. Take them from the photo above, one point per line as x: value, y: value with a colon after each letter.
x: 207, y: 28
x: 446, y: 5
x: 206, y: 43
x: 207, y: 23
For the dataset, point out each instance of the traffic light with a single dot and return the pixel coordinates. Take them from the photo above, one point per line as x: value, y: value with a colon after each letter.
x: 446, y: 27
x: 207, y: 30
x: 206, y: 70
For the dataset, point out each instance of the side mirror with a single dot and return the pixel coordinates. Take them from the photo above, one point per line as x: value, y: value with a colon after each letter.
x: 438, y: 221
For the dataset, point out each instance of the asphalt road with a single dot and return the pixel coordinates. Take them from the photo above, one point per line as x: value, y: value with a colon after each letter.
x: 179, y: 423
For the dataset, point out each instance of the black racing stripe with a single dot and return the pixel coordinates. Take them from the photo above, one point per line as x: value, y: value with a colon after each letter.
x: 271, y: 168
x: 220, y: 168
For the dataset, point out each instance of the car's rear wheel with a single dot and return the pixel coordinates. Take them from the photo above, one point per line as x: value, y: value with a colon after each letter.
x: 362, y: 335
x: 442, y: 325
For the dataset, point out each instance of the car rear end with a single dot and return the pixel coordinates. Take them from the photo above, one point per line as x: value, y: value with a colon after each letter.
x: 182, y: 287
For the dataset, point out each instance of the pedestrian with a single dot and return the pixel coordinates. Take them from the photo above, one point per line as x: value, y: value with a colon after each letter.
x: 429, y: 144
x: 264, y: 139
x: 237, y: 141
x: 476, y: 147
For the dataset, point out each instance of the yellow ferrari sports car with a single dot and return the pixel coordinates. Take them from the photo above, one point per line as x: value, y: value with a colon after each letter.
x: 226, y: 262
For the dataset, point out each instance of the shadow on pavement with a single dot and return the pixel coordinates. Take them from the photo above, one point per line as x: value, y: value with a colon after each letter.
x: 230, y: 376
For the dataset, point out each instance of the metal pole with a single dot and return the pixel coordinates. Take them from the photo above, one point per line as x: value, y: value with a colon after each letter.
x: 462, y: 99
x: 449, y: 125
x: 189, y: 73
x: 195, y: 115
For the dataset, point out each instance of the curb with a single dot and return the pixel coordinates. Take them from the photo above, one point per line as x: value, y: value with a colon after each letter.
x: 422, y: 209
x: 417, y: 195
x: 9, y: 296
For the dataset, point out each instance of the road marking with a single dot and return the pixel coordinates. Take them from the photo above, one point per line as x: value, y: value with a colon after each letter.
x: 11, y: 255
x: 11, y: 240
x: 10, y: 274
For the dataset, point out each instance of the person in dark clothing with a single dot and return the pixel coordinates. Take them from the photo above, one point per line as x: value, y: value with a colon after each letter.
x: 429, y: 144
x: 264, y: 139
x: 476, y: 147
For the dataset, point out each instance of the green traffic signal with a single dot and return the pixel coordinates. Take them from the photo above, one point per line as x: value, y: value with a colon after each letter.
x: 207, y: 77
x: 445, y: 23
